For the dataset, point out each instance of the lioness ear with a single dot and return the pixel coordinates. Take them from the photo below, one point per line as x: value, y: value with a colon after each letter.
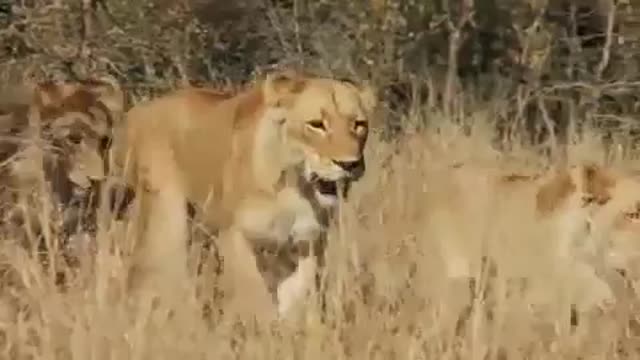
x: 551, y: 195
x: 278, y: 86
x: 109, y: 92
x: 598, y: 181
x: 369, y: 97
x: 49, y: 94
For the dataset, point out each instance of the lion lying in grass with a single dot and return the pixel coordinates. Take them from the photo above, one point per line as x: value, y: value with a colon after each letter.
x: 264, y: 166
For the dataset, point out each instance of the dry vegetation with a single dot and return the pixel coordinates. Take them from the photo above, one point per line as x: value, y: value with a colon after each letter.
x: 511, y: 85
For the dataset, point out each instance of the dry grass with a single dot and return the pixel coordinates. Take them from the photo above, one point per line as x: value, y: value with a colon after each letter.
x: 386, y: 294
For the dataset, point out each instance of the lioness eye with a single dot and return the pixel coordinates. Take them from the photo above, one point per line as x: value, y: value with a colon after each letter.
x: 316, y: 124
x: 75, y: 138
x: 634, y: 216
x: 588, y: 199
x: 360, y: 124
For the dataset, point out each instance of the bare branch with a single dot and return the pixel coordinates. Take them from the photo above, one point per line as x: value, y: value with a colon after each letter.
x: 87, y: 27
x: 606, y: 49
x: 455, y: 40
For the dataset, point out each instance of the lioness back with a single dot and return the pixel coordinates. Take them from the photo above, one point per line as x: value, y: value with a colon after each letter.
x: 201, y: 128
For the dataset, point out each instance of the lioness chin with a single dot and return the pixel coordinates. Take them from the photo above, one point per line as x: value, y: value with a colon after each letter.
x: 263, y: 166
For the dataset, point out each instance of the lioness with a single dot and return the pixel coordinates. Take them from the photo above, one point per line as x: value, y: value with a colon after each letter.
x: 55, y: 137
x: 615, y: 224
x: 263, y: 166
x: 571, y: 215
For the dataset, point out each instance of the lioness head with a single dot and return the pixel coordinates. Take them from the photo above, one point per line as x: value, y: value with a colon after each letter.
x: 326, y: 124
x: 616, y: 222
x: 77, y: 119
x: 610, y: 203
x: 74, y: 122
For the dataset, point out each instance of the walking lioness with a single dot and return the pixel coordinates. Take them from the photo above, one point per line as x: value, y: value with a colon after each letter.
x: 264, y: 165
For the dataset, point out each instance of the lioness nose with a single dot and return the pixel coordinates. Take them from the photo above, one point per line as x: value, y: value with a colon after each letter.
x: 351, y: 166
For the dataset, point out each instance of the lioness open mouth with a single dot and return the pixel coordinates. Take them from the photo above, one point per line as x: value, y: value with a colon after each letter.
x: 326, y: 187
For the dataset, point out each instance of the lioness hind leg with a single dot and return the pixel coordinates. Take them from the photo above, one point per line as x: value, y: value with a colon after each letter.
x: 245, y: 290
x: 160, y: 253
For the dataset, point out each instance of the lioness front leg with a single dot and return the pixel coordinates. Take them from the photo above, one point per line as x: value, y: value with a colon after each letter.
x: 288, y: 219
x: 245, y: 290
x: 304, y: 233
x: 296, y: 287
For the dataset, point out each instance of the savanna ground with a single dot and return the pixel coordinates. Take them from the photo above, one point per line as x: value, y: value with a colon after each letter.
x: 508, y: 86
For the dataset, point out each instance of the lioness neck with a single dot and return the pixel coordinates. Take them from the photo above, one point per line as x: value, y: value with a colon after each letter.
x: 268, y: 152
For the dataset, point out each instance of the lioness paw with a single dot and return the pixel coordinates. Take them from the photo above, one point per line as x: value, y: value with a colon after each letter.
x: 296, y: 287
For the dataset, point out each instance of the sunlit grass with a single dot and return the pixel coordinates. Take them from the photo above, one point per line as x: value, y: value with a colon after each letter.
x: 386, y: 294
